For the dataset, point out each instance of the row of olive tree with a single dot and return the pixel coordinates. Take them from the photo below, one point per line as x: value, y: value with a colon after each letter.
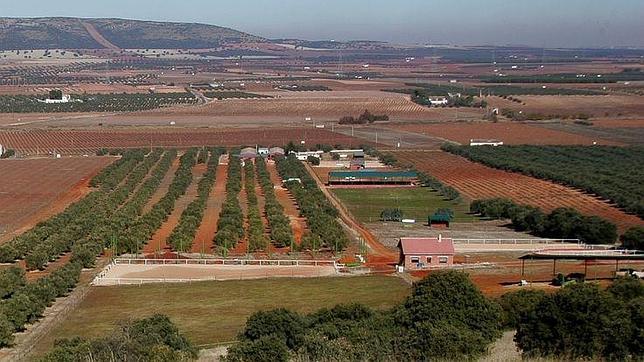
x: 230, y: 226
x: 561, y: 223
x: 281, y: 231
x: 326, y: 231
x: 256, y: 239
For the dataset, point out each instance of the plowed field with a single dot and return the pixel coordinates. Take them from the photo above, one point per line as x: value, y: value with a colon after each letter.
x: 79, y: 142
x: 509, y: 133
x: 34, y: 190
x: 476, y: 181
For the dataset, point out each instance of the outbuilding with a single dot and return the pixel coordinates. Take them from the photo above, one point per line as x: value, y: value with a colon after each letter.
x: 248, y: 153
x: 275, y: 152
x: 426, y: 253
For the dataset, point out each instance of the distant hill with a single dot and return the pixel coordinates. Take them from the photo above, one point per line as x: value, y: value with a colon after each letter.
x: 75, y: 33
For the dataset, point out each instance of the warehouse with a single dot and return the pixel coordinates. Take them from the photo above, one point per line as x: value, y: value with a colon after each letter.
x: 373, y: 177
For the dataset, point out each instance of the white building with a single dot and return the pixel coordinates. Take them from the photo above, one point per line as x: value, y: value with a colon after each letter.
x: 438, y: 101
x: 65, y: 99
x: 1, y: 150
x: 479, y: 142
x: 303, y: 156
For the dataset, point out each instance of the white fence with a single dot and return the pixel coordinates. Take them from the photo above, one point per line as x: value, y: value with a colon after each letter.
x: 226, y: 262
x: 516, y: 241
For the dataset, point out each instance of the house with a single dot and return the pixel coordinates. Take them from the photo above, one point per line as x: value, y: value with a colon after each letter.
x: 425, y: 253
x: 486, y: 142
x: 64, y: 99
x: 275, y: 152
x: 248, y: 153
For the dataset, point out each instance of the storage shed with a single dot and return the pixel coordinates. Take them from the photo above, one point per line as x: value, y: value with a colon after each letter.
x: 275, y: 152
x: 248, y: 153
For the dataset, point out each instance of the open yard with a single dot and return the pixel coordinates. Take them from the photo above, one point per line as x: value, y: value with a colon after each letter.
x: 212, y: 312
x: 416, y: 203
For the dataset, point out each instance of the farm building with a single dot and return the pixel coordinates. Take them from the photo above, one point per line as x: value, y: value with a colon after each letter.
x: 423, y: 253
x: 439, y: 221
x: 303, y: 156
x: 373, y: 177
x: 275, y: 152
x: 248, y: 153
x: 480, y: 142
x: 438, y: 101
x: 348, y: 153
x: 1, y: 150
x: 262, y: 151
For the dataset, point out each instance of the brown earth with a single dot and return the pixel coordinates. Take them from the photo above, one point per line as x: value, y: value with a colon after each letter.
x: 476, y: 181
x: 291, y: 209
x: 158, y: 242
x: 203, y: 242
x: 34, y: 190
x: 509, y: 133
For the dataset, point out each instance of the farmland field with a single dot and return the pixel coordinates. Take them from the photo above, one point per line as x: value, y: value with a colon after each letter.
x: 33, y: 190
x: 416, y: 203
x: 476, y: 181
x: 610, y: 172
x: 212, y: 312
x: 509, y: 133
x: 87, y: 141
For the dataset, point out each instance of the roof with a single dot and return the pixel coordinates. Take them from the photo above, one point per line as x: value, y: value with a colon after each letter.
x: 441, y: 246
x: 440, y: 217
x: 373, y: 174
x: 583, y: 255
x: 276, y: 150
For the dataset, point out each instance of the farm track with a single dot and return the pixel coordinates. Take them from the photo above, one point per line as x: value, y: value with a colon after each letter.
x: 163, y: 187
x: 291, y: 209
x: 208, y: 227
x: 477, y: 181
x: 96, y: 35
x: 158, y: 242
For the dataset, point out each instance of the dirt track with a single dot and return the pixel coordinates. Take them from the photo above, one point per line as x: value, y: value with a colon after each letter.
x: 203, y: 242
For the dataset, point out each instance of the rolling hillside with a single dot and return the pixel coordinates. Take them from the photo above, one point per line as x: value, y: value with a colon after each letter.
x: 75, y: 33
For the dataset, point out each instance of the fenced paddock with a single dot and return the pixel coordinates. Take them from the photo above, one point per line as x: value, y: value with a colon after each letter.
x: 526, y: 245
x: 146, y: 271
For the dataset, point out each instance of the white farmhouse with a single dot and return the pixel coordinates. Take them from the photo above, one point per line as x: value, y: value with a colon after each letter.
x: 438, y: 101
x: 65, y: 99
x: 480, y: 142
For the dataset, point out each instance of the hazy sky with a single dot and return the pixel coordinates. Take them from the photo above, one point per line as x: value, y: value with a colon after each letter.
x: 550, y: 23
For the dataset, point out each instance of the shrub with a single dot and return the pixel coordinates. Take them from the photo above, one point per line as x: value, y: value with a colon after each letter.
x: 633, y: 238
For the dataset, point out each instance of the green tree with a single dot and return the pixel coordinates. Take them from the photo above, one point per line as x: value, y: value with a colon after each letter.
x: 519, y: 303
x: 633, y: 238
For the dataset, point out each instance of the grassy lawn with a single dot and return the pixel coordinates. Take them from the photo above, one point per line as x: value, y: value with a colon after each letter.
x: 416, y: 203
x: 213, y: 312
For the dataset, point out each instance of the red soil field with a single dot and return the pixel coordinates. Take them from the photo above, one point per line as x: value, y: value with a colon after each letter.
x: 158, y: 243
x: 80, y: 142
x: 476, y: 181
x: 34, y: 190
x: 509, y: 133
x: 203, y: 242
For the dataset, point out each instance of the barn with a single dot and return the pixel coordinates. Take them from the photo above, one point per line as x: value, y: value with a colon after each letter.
x: 425, y: 253
x: 439, y: 221
x: 248, y: 153
x: 275, y: 152
x: 373, y: 177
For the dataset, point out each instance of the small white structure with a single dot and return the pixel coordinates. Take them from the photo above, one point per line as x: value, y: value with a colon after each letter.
x: 438, y: 101
x: 1, y: 150
x: 263, y: 151
x: 303, y: 156
x: 480, y: 142
x: 65, y: 99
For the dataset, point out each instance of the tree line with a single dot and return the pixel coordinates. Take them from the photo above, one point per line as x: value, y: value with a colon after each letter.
x: 230, y: 226
x: 561, y: 223
x: 256, y: 239
x: 281, y: 231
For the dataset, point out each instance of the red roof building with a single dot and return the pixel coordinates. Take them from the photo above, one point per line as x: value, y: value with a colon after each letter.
x: 425, y: 253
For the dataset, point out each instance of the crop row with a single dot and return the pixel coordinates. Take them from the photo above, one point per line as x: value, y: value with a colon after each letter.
x: 77, y: 220
x: 256, y: 239
x: 131, y: 239
x: 230, y: 226
x: 326, y: 231
x: 234, y: 95
x: 183, y: 235
x: 94, y: 103
x: 611, y: 172
x: 281, y: 231
x: 43, y: 253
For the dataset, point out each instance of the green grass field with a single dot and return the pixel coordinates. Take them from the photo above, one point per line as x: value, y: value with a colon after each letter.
x: 416, y: 203
x: 214, y: 312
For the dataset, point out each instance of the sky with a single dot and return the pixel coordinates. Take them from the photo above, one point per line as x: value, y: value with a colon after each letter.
x: 541, y: 23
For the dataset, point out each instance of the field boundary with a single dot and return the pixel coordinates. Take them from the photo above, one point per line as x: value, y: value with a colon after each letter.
x: 517, y: 241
